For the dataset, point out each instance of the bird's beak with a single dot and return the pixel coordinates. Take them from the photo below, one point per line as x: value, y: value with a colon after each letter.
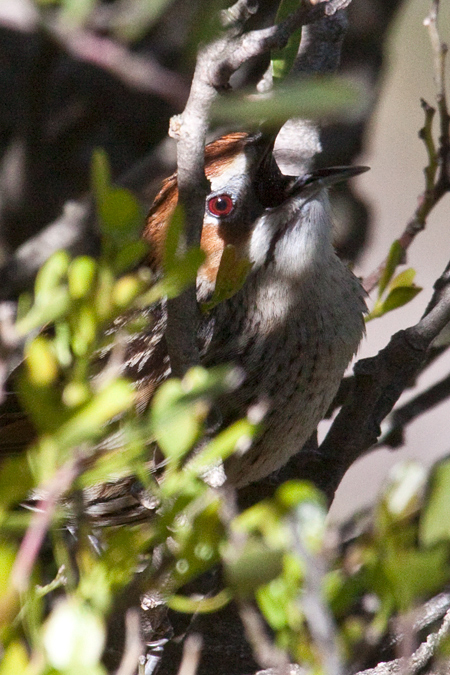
x: 323, y: 178
x: 274, y: 188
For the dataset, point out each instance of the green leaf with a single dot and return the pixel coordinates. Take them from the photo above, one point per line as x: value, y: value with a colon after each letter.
x: 414, y: 575
x: 255, y: 565
x: 194, y: 605
x: 41, y: 362
x: 330, y: 97
x: 273, y: 599
x: 396, y: 253
x: 100, y: 174
x: 403, y: 494
x: 84, y: 330
x: 283, y: 59
x: 129, y: 254
x: 405, y: 278
x: 49, y: 277
x: 74, y: 636
x: 221, y: 446
x: 86, y: 424
x: 175, y: 423
x: 120, y: 215
x: 14, y: 659
x: 435, y: 521
x: 56, y: 306
x: 398, y: 297
x: 75, y: 13
x: 125, y: 290
x: 294, y: 492
x: 197, y: 540
x: 81, y: 274
x: 231, y: 276
x: 135, y: 20
x: 177, y: 279
x: 15, y: 480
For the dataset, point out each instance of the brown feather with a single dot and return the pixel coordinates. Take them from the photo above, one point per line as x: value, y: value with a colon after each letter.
x: 218, y: 155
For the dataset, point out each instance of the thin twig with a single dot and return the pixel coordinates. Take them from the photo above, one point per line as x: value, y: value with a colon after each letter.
x: 191, y: 655
x: 415, y: 663
x: 41, y: 521
x: 142, y: 73
x: 133, y: 644
x: 267, y: 654
x: 317, y: 613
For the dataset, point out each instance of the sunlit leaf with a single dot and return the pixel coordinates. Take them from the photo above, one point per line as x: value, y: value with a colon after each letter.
x: 49, y: 277
x: 283, y: 59
x: 399, y: 296
x: 405, y: 278
x: 56, y: 306
x: 327, y: 97
x: 195, y: 605
x: 404, y: 491
x: 81, y: 274
x: 435, y: 520
x: 86, y: 424
x: 100, y: 174
x: 175, y: 423
x: 14, y: 659
x: 396, y: 253
x: 74, y: 636
x: 41, y: 362
x: 221, y: 446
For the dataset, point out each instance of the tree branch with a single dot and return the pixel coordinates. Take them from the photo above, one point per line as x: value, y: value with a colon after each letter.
x: 378, y: 383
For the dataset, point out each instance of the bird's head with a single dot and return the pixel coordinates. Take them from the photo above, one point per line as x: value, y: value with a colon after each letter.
x: 249, y: 198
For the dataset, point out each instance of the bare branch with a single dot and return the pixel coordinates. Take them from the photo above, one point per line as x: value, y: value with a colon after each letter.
x: 143, y: 73
x: 191, y: 655
x: 67, y: 231
x: 317, y: 613
x: 378, y: 383
x: 41, y: 521
x: 133, y: 644
x: 415, y: 663
x: 266, y: 652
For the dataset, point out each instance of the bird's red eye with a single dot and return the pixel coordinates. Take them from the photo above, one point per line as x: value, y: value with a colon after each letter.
x: 220, y: 205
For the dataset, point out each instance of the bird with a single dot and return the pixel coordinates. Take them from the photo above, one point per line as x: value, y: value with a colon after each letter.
x: 297, y: 321
x: 291, y: 329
